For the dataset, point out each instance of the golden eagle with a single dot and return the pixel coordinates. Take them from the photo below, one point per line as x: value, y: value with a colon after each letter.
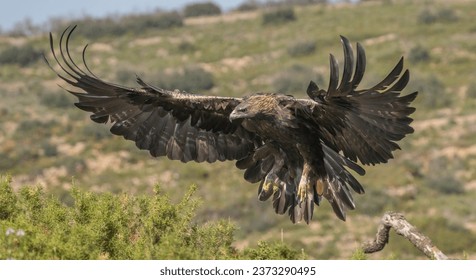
x: 299, y: 150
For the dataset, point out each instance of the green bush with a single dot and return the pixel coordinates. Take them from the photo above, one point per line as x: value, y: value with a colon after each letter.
x: 34, y: 129
x: 375, y: 202
x: 432, y: 92
x: 126, y: 76
x: 418, y: 54
x: 117, y: 26
x: 471, y: 92
x: 191, y: 79
x: 295, y: 79
x: 201, y: 9
x: 160, y: 21
x: 186, y: 47
x: 441, y: 176
x: 275, y: 251
x: 306, y: 2
x: 302, y: 48
x: 447, y: 15
x: 95, y: 131
x: 22, y: 55
x: 426, y: 17
x: 49, y: 149
x: 279, y: 16
x: 34, y: 225
x: 445, y: 184
x: 8, y: 200
x: 430, y: 16
x: 248, y: 6
x: 57, y: 99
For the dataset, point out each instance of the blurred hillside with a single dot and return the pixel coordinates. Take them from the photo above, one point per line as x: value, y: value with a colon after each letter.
x: 46, y: 140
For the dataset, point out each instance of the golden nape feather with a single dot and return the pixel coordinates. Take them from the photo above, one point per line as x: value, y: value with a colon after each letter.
x: 298, y: 150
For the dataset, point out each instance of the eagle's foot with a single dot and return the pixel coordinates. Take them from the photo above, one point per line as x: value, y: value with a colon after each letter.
x: 268, y: 186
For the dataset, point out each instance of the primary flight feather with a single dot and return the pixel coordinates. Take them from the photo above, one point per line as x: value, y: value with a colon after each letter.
x: 299, y: 150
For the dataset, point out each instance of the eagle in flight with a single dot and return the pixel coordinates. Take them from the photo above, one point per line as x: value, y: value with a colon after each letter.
x: 299, y: 150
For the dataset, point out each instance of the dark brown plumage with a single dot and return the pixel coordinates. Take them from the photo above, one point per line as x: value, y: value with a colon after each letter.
x: 299, y: 150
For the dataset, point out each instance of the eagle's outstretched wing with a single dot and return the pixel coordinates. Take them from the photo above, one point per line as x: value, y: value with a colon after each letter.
x: 363, y: 124
x: 178, y: 125
x: 355, y: 125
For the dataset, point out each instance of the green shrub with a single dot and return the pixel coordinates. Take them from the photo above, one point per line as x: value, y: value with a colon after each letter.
x: 359, y: 255
x: 447, y: 15
x: 445, y: 184
x: 279, y: 16
x: 432, y: 91
x: 34, y: 225
x: 302, y: 48
x: 95, y: 131
x: 375, y: 201
x: 30, y: 129
x: 117, y: 26
x: 471, y: 92
x: 426, y: 16
x: 441, y: 176
x: 201, y: 9
x: 22, y: 55
x: 248, y: 6
x: 418, y: 54
x: 125, y: 76
x: 430, y: 16
x: 275, y: 251
x: 7, y: 199
x: 57, y: 99
x: 191, y: 79
x: 186, y: 47
x: 160, y: 21
x: 306, y: 2
x: 295, y: 79
x: 49, y: 150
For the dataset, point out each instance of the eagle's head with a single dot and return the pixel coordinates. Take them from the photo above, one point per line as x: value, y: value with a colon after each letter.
x: 256, y: 106
x: 267, y: 107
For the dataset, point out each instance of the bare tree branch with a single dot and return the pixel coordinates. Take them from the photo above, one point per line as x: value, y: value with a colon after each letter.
x: 402, y: 227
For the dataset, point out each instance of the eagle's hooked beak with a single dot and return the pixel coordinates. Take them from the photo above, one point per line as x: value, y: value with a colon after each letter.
x: 234, y: 116
x: 240, y: 112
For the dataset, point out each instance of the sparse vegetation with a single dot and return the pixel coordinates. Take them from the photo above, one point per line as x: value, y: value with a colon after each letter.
x: 120, y: 25
x: 302, y: 48
x: 436, y: 96
x: 186, y: 47
x: 22, y: 56
x: 295, y: 79
x: 471, y: 92
x: 248, y: 6
x: 279, y: 16
x: 418, y: 54
x: 201, y: 9
x: 56, y: 99
x: 430, y: 16
x: 441, y: 176
x: 191, y: 79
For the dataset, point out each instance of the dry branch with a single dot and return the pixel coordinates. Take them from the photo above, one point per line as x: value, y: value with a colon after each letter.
x: 402, y: 227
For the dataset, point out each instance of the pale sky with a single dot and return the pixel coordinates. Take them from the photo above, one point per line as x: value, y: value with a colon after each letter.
x: 39, y: 11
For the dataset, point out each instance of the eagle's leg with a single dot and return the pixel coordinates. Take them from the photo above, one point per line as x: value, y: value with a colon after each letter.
x: 271, y: 183
x: 305, y: 194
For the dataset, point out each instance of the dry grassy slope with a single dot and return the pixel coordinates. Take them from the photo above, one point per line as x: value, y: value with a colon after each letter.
x: 245, y: 57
